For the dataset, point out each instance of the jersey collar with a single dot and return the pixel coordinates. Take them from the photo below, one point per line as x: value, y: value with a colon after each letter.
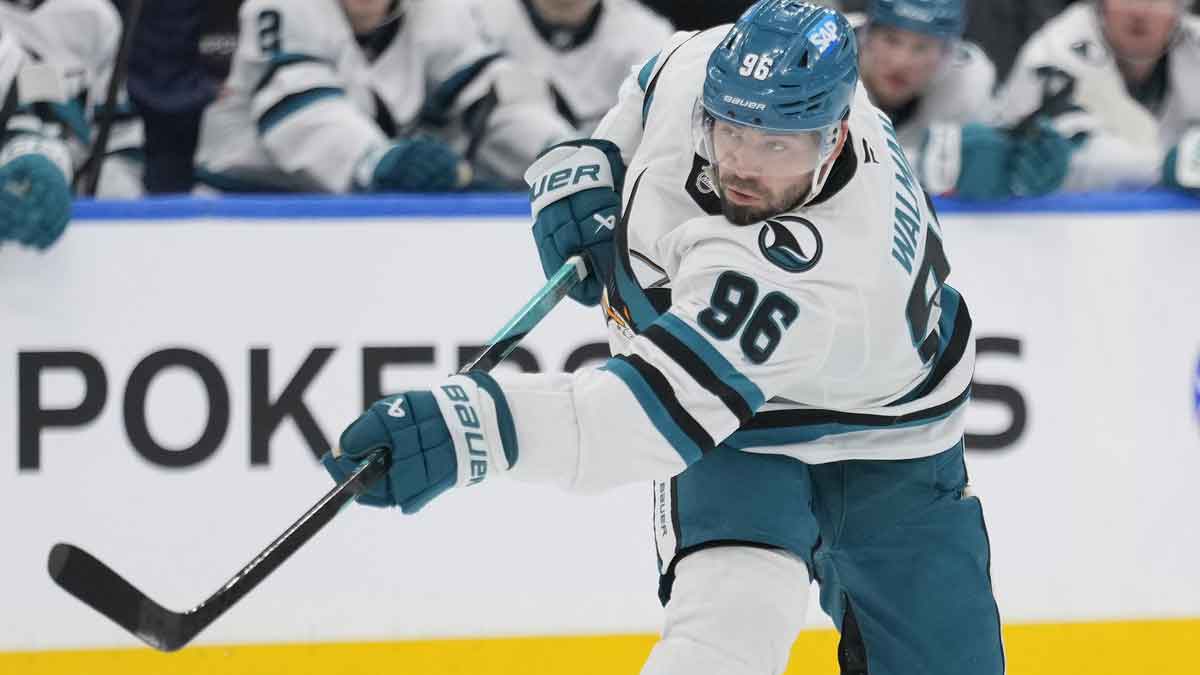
x: 564, y: 38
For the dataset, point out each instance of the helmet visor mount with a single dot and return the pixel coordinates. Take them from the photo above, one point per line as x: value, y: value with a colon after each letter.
x: 766, y: 164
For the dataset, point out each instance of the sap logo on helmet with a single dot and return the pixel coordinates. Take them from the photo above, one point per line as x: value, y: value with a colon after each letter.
x: 739, y: 101
x: 915, y: 13
x: 825, y: 35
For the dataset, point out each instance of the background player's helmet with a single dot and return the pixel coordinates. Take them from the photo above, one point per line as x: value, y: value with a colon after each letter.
x: 945, y: 19
x: 785, y: 67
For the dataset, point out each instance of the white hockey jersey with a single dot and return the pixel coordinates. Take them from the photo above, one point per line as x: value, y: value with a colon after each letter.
x: 1125, y: 142
x: 303, y: 102
x: 78, y: 39
x: 586, y: 67
x: 825, y: 334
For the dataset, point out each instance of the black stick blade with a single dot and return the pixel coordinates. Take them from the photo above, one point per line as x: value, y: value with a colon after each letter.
x: 99, y: 587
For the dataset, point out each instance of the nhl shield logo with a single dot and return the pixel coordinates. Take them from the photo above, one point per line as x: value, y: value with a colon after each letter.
x: 791, y: 243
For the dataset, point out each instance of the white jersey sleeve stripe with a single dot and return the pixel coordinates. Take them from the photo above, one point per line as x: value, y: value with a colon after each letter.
x: 706, y: 365
x: 658, y: 400
x: 294, y: 103
x: 281, y: 61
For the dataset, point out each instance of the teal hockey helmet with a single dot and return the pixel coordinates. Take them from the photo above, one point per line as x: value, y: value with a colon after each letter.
x: 784, y: 66
x: 945, y: 19
x: 776, y: 91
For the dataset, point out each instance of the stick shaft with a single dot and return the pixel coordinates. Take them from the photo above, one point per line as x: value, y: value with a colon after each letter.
x: 89, y: 176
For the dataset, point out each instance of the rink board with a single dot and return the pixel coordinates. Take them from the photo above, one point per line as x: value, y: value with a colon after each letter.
x: 1088, y: 438
x: 1111, y: 648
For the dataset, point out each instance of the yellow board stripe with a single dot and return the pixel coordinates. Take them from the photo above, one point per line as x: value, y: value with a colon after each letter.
x: 1100, y: 648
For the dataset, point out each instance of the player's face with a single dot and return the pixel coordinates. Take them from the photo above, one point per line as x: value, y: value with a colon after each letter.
x: 898, y: 64
x: 366, y: 15
x: 761, y: 174
x: 1140, y: 30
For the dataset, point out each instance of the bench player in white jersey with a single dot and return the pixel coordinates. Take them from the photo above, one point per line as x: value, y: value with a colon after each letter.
x: 1120, y: 76
x: 585, y: 48
x: 35, y: 166
x: 329, y: 96
x: 78, y: 40
x: 775, y: 288
x: 937, y: 89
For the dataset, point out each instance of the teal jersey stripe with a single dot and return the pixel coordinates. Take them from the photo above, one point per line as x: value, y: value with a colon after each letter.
x: 655, y: 410
x: 950, y: 301
x: 644, y: 82
x: 438, y: 106
x: 761, y: 438
x: 293, y: 103
x: 644, y: 74
x: 717, y: 362
x: 282, y: 60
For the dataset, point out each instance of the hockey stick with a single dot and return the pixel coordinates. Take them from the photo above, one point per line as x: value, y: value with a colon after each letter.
x: 89, y: 174
x: 98, y: 586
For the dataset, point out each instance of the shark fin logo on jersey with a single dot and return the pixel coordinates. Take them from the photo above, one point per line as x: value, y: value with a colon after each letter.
x: 793, y: 249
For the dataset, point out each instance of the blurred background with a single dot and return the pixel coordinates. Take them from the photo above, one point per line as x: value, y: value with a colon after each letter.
x: 227, y: 225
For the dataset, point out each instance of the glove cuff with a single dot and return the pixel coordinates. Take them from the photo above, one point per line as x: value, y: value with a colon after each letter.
x: 477, y: 416
x: 35, y: 144
x: 571, y: 167
x: 1182, y: 167
x: 941, y: 158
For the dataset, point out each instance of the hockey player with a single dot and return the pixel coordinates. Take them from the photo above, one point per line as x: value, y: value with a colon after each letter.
x: 1119, y: 76
x: 585, y: 48
x: 937, y: 88
x: 790, y: 365
x: 329, y: 96
x: 77, y: 39
x: 35, y: 169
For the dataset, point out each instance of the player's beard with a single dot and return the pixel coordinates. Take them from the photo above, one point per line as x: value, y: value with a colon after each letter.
x: 742, y: 214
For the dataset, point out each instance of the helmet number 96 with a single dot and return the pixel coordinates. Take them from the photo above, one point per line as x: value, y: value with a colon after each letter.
x: 756, y: 66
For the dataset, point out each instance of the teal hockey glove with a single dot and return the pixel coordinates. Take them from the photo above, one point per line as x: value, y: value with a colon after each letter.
x: 1040, y: 160
x: 456, y: 434
x: 986, y: 155
x: 1181, y: 170
x: 575, y: 195
x: 418, y: 164
x: 35, y: 193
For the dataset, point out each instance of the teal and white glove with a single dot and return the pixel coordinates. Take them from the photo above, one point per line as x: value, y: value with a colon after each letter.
x: 417, y: 164
x: 971, y: 161
x: 575, y: 194
x: 981, y: 162
x: 454, y: 435
x: 1181, y: 170
x: 35, y: 192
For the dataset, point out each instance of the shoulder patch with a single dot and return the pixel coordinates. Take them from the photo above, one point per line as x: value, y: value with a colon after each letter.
x: 700, y: 188
x: 791, y: 243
